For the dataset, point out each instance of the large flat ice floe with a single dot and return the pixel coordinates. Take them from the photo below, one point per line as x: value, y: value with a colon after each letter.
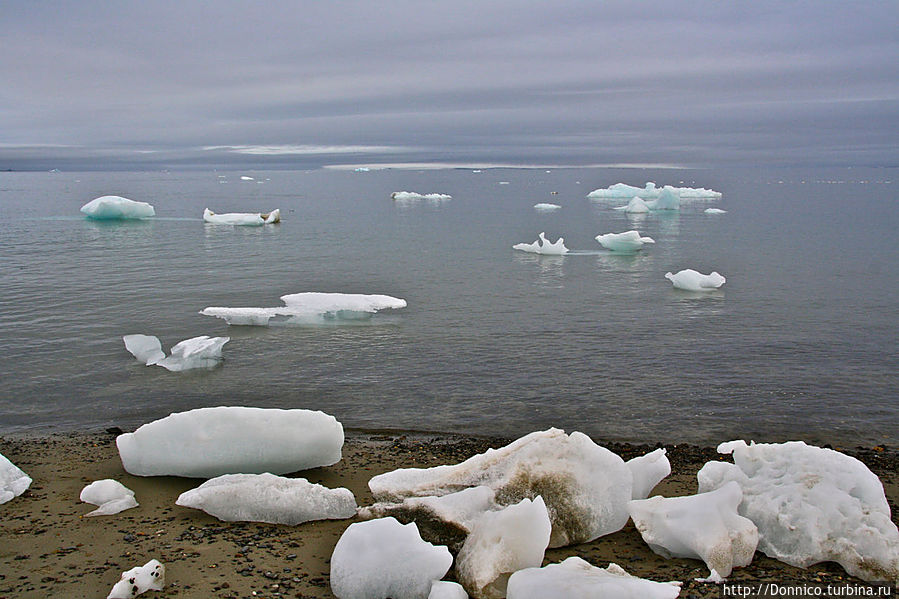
x: 109, y: 495
x: 269, y: 498
x: 625, y: 243
x: 139, y: 580
x: 575, y: 578
x: 117, y: 208
x: 196, y: 352
x: 251, y: 219
x: 13, y: 482
x: 411, y: 196
x: 543, y: 246
x: 692, y: 280
x: 811, y: 505
x: 309, y: 308
x: 650, y: 191
x: 383, y: 558
x: 209, y: 442
x: 586, y: 487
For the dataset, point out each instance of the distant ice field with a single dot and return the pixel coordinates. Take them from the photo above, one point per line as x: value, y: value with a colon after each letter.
x: 800, y: 342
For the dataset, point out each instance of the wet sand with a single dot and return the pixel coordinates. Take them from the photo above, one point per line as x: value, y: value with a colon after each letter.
x: 48, y: 548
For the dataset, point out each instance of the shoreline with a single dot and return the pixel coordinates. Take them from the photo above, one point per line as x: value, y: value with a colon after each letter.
x: 48, y: 547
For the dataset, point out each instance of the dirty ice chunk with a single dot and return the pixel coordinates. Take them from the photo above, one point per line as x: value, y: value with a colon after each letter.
x: 149, y: 577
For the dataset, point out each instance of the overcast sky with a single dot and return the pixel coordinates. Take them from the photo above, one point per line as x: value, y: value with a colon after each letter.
x: 87, y: 84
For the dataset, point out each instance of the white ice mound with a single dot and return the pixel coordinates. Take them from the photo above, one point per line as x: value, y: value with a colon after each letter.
x: 501, y: 543
x: 650, y: 191
x: 149, y: 577
x: 110, y: 495
x: 196, y: 352
x: 13, y: 482
x: 208, y: 442
x: 543, y: 207
x: 705, y: 526
x: 383, y: 558
x: 586, y: 487
x: 691, y: 280
x: 117, y: 208
x: 627, y: 242
x: 269, y: 498
x: 811, y: 505
x: 669, y: 199
x: 442, y: 589
x: 635, y: 206
x: 715, y: 211
x: 411, y: 196
x: 253, y: 219
x: 575, y: 578
x: 648, y: 471
x: 543, y: 246
x: 309, y: 308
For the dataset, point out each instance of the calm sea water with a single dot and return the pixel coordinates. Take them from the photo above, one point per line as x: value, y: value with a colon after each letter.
x: 801, y: 342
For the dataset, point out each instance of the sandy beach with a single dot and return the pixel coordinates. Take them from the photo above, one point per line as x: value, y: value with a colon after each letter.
x: 48, y: 548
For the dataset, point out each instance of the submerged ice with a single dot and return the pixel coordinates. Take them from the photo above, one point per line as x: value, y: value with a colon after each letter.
x: 309, y: 308
x: 196, y: 352
x: 252, y: 219
x: 117, y: 208
x: 543, y: 246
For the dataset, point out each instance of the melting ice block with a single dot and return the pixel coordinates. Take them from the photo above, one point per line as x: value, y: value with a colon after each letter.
x: 442, y: 589
x: 411, y: 196
x: 501, y: 543
x: 669, y: 199
x: 691, y: 280
x: 543, y: 207
x: 543, y: 246
x: 253, y: 219
x: 586, y: 487
x: 208, y: 442
x: 196, y: 352
x: 650, y: 191
x: 705, y: 526
x: 648, y: 471
x: 149, y: 577
x: 13, y: 482
x: 627, y: 242
x: 383, y: 558
x: 310, y: 307
x: 811, y: 505
x: 269, y: 498
x: 575, y: 578
x: 117, y: 208
x: 110, y: 495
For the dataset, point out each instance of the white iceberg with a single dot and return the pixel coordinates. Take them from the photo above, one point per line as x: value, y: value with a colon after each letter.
x: 811, y: 505
x: 117, y: 208
x: 110, y: 495
x: 705, y: 526
x: 575, y: 578
x: 543, y: 246
x: 626, y: 243
x: 715, y: 211
x: 543, y: 207
x: 253, y: 219
x: 650, y: 191
x: 383, y: 558
x: 13, y: 482
x: 411, y: 196
x: 648, y: 471
x: 502, y: 543
x: 691, y: 280
x: 635, y: 206
x: 246, y: 178
x: 669, y: 199
x: 442, y: 589
x: 269, y: 498
x: 208, y: 442
x: 196, y: 352
x: 149, y: 577
x: 586, y: 487
x: 309, y: 308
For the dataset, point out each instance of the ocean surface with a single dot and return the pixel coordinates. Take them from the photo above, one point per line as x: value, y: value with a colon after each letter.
x: 801, y: 342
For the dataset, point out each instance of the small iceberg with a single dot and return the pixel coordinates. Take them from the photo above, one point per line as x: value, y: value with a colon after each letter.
x: 543, y: 246
x: 117, y: 208
x: 196, y: 352
x: 691, y: 280
x: 411, y: 196
x: 13, y: 482
x: 109, y: 495
x: 715, y: 211
x: 575, y: 578
x: 669, y: 199
x: 252, y: 219
x: 627, y: 242
x: 309, y: 308
x: 149, y: 577
x: 544, y: 207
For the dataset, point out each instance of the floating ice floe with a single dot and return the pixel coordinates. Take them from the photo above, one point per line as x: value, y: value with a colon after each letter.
x: 543, y: 207
x: 650, y: 191
x: 252, y: 219
x: 196, y: 352
x: 585, y: 487
x: 309, y: 308
x: 269, y: 498
x: 442, y: 589
x: 501, y: 543
x: 715, y: 211
x: 691, y: 280
x: 208, y: 442
x: 383, y: 558
x: 626, y: 243
x: 635, y: 206
x: 705, y: 526
x: 648, y: 471
x: 411, y: 196
x: 117, y: 208
x: 575, y: 578
x: 811, y: 505
x: 13, y: 482
x: 669, y: 199
x: 110, y: 495
x: 149, y: 577
x: 543, y: 246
